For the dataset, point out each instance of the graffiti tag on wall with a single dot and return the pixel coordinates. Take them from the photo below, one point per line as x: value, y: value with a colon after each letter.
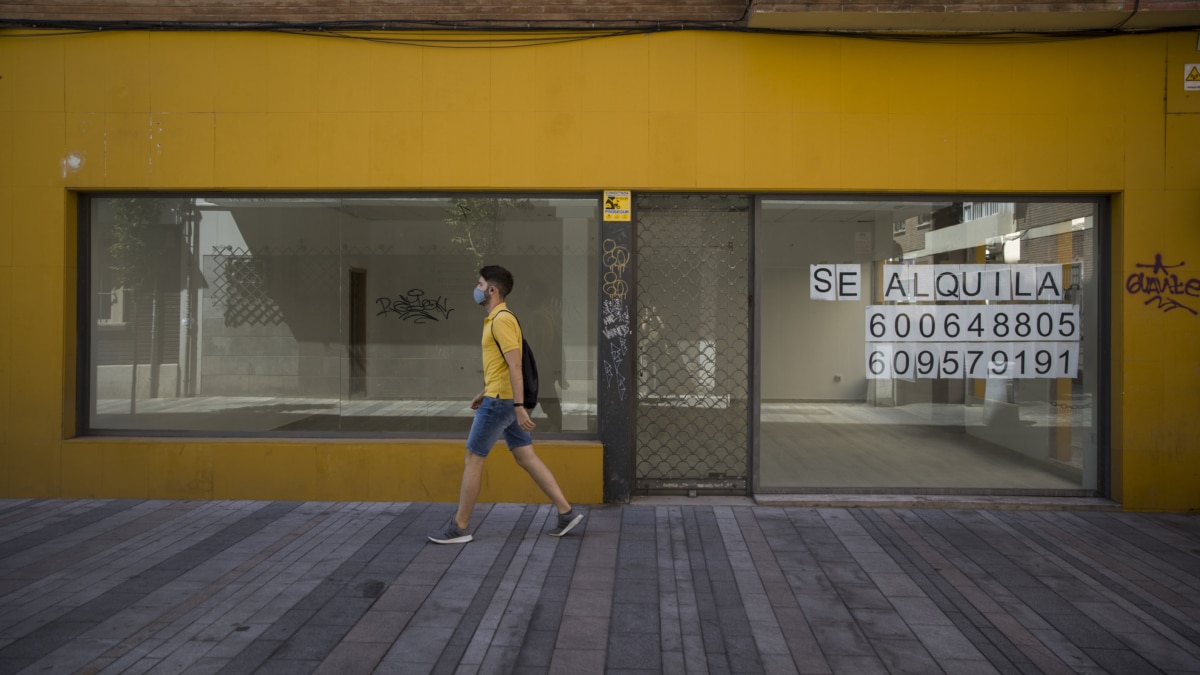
x: 414, y: 306
x: 616, y: 258
x: 615, y: 315
x: 1163, y: 286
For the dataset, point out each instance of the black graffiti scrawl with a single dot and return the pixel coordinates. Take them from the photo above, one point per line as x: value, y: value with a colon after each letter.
x: 1164, y: 286
x: 415, y: 306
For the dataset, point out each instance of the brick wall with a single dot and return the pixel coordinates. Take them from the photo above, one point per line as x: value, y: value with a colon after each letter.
x: 929, y: 14
x: 975, y: 15
x: 574, y: 12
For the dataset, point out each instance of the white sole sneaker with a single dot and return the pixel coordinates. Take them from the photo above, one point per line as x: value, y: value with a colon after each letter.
x: 568, y: 527
x: 450, y: 534
x: 453, y: 540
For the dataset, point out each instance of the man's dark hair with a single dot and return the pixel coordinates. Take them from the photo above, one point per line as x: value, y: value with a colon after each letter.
x: 499, y: 277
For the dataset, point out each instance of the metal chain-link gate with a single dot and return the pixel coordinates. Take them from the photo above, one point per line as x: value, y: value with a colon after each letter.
x: 693, y: 343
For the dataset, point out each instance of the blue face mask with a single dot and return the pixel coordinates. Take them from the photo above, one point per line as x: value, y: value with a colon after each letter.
x: 480, y: 296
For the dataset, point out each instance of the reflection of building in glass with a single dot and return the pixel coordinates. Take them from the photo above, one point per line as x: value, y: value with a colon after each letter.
x: 325, y: 300
x: 1008, y: 420
x: 1011, y: 232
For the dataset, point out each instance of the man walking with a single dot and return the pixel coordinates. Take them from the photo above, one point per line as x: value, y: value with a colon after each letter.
x: 500, y: 411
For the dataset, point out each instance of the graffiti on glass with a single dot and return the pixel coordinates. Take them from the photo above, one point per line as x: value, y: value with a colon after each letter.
x: 415, y: 306
x: 1164, y: 286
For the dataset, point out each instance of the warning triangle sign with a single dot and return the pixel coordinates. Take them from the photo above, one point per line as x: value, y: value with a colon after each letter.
x: 1193, y: 74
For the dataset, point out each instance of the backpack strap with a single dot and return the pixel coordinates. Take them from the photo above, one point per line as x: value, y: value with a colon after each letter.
x: 498, y: 347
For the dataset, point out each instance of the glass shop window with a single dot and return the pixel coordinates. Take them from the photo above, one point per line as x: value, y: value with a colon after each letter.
x: 926, y: 345
x: 350, y: 315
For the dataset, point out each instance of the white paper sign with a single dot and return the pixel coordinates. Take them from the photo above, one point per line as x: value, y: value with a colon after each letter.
x: 972, y: 323
x: 849, y: 282
x: 978, y: 360
x: 949, y: 283
x: 835, y: 282
x: 822, y: 282
x: 1049, y: 283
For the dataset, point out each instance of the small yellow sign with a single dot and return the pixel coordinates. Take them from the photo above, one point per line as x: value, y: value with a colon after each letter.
x: 616, y: 205
x: 1191, y: 77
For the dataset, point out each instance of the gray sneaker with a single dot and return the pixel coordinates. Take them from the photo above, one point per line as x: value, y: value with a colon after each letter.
x: 566, y: 522
x: 450, y: 534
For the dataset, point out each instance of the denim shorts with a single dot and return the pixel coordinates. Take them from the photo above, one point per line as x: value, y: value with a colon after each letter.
x: 493, y: 418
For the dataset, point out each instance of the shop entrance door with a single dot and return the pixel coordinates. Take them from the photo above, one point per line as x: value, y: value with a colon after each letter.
x: 692, y: 427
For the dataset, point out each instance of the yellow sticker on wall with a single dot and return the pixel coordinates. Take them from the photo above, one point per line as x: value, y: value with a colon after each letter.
x: 1191, y: 77
x: 616, y: 205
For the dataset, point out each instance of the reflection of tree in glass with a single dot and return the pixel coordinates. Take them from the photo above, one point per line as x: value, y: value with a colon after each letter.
x: 144, y: 253
x: 135, y: 252
x: 478, y: 223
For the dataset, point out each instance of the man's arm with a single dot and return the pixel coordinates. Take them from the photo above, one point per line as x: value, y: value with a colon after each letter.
x: 513, y: 358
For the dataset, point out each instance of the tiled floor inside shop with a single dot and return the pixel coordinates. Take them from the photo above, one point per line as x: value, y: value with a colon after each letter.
x: 856, y: 445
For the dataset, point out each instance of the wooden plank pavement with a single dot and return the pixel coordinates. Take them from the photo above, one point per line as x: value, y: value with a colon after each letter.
x: 128, y: 586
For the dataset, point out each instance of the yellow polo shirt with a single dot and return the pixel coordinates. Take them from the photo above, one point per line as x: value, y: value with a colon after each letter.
x: 495, y: 369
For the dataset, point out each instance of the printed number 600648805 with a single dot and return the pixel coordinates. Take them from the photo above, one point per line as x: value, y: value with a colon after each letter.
x: 972, y: 323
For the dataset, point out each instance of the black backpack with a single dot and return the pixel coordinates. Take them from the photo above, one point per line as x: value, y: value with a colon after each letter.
x: 529, y: 373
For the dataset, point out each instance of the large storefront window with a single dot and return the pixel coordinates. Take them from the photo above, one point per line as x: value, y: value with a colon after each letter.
x: 918, y: 345
x: 256, y: 314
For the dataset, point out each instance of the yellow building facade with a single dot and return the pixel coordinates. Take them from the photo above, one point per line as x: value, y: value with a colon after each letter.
x: 673, y: 112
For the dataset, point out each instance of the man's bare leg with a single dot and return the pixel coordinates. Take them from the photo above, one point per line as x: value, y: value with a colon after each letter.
x: 527, y: 459
x: 468, y: 492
